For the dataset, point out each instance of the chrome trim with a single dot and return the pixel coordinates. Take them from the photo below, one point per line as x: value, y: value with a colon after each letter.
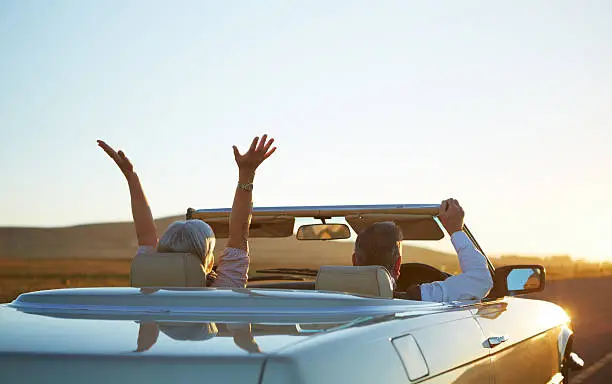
x: 494, y: 341
x: 324, y: 210
x: 401, y: 310
x: 556, y: 379
x: 473, y: 239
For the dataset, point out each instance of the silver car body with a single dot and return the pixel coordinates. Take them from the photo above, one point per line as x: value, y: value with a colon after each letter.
x: 258, y: 335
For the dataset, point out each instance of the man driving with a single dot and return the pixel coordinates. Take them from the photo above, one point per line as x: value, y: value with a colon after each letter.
x: 381, y: 244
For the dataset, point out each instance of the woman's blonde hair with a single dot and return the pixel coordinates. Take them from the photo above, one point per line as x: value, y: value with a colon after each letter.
x: 190, y: 236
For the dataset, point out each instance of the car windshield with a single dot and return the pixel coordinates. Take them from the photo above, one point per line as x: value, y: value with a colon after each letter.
x: 290, y: 259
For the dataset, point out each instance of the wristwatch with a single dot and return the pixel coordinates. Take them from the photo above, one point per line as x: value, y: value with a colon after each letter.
x: 246, y: 187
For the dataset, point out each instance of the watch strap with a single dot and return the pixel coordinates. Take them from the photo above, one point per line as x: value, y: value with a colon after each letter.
x: 246, y: 187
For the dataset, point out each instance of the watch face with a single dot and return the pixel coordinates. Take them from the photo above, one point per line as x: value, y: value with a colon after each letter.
x: 246, y: 187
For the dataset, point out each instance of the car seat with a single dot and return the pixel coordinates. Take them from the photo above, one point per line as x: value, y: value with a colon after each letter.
x: 167, y: 270
x: 371, y: 280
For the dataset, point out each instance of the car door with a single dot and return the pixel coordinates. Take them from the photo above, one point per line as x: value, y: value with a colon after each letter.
x: 450, y: 343
x: 522, y: 337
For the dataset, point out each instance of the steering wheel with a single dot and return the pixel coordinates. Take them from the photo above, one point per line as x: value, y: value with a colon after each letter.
x: 418, y: 273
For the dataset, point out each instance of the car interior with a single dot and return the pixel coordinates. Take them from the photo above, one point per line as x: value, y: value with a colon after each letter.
x: 186, y: 270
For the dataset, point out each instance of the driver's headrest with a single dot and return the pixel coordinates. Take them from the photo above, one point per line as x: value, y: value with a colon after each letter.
x: 370, y: 280
x: 167, y: 270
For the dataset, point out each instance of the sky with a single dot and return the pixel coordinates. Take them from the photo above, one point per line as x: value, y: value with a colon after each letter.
x: 502, y: 105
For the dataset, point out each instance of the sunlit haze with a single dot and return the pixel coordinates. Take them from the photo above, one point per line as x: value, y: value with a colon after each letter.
x: 503, y: 105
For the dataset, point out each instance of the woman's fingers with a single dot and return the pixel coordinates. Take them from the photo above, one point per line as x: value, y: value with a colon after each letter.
x: 266, y: 151
x: 254, y: 144
x: 269, y: 153
x: 106, y: 148
x: 268, y: 145
x: 262, y: 143
x: 118, y: 157
x: 237, y: 154
x: 109, y: 151
x: 257, y: 153
x: 126, y: 165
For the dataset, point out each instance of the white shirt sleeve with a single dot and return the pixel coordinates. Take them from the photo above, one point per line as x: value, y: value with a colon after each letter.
x: 474, y: 282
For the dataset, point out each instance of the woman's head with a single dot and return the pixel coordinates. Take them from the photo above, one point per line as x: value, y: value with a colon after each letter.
x: 190, y: 236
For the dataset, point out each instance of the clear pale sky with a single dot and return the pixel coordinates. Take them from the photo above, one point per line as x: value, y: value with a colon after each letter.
x: 504, y: 105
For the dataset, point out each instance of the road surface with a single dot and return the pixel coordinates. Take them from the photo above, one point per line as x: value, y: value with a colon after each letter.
x: 589, y: 303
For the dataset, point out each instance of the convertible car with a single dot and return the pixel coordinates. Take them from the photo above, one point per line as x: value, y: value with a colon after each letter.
x: 337, y: 324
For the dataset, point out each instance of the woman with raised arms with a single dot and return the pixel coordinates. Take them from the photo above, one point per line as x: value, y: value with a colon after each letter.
x: 195, y: 236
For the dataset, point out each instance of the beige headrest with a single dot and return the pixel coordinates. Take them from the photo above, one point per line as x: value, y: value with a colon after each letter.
x: 371, y: 280
x: 167, y: 270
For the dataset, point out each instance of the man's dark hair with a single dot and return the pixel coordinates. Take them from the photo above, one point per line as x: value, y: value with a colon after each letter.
x: 377, y: 245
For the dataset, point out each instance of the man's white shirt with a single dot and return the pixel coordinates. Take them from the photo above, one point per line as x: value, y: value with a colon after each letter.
x: 474, y: 282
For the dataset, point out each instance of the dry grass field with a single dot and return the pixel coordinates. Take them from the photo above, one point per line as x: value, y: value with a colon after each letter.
x: 100, y: 254
x: 19, y: 274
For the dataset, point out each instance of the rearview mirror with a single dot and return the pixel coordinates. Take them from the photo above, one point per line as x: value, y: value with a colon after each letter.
x: 323, y: 232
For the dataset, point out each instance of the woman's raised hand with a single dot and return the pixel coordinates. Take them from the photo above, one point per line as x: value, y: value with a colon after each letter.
x: 141, y: 212
x: 257, y: 153
x: 120, y: 159
x: 240, y: 217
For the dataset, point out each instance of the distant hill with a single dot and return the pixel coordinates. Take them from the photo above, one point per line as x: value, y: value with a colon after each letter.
x: 118, y: 241
x: 107, y: 240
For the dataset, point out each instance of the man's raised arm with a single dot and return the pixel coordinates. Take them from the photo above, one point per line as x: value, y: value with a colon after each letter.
x: 474, y: 282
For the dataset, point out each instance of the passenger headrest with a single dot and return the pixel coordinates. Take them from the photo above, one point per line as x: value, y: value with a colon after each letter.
x: 371, y: 280
x: 167, y: 270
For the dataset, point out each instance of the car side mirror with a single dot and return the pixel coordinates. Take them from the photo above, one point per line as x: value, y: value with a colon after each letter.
x: 512, y: 280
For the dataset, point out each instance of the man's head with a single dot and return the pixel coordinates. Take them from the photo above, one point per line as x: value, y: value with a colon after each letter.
x: 380, y: 244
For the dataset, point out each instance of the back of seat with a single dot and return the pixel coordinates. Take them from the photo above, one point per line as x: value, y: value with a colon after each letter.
x: 167, y: 270
x: 371, y: 280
